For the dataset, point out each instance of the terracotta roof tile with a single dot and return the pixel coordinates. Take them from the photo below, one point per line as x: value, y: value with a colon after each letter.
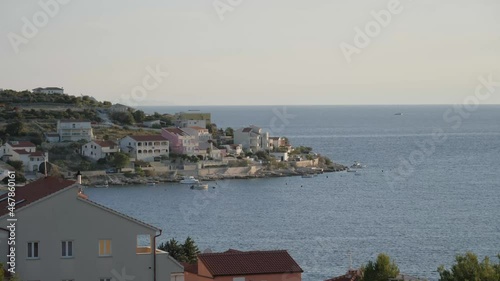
x: 149, y: 138
x: 190, y: 268
x: 351, y: 275
x: 105, y: 143
x: 35, y: 191
x: 249, y: 263
x: 22, y: 144
x: 21, y: 151
x: 176, y: 131
x: 37, y: 153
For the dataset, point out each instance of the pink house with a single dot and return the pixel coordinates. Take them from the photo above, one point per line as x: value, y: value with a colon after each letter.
x: 244, y: 266
x: 180, y: 141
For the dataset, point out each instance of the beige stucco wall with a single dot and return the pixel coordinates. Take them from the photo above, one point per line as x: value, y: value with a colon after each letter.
x: 64, y: 217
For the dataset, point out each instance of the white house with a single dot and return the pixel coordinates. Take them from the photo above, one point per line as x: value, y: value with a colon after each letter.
x: 75, y: 130
x: 25, y: 152
x: 52, y: 137
x: 234, y: 149
x: 49, y: 90
x: 253, y: 138
x: 152, y: 123
x: 192, y: 118
x: 99, y: 149
x: 120, y: 108
x: 146, y: 148
x: 280, y: 156
x: 63, y: 235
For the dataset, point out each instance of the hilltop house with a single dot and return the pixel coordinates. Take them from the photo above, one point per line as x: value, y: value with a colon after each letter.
x: 49, y: 90
x: 99, y: 149
x: 120, y: 108
x: 253, y: 138
x: 146, y: 148
x: 244, y: 266
x: 74, y: 130
x: 66, y: 236
x: 25, y: 152
x: 190, y: 119
x: 180, y: 141
x: 351, y: 275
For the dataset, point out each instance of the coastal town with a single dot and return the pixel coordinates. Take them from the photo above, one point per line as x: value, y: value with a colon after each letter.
x: 119, y: 144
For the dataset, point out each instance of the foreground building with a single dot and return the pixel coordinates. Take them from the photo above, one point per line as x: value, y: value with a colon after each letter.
x: 62, y: 235
x: 236, y: 265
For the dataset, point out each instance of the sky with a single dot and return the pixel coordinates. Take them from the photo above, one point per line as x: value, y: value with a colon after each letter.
x: 253, y: 52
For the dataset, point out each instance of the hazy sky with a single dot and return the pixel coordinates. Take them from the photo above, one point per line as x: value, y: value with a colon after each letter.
x: 262, y: 52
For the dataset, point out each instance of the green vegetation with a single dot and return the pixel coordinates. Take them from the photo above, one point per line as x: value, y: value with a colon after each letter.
x: 301, y: 150
x: 187, y: 252
x: 468, y: 268
x: 27, y: 97
x: 380, y: 270
x: 121, y: 160
x: 19, y: 168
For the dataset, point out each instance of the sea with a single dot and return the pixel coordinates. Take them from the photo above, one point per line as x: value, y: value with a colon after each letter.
x: 430, y: 189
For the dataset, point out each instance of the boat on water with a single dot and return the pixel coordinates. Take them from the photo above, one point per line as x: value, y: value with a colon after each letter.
x: 189, y: 180
x: 199, y: 186
x: 101, y: 185
x: 357, y: 165
x: 306, y: 176
x: 398, y: 113
x: 151, y: 183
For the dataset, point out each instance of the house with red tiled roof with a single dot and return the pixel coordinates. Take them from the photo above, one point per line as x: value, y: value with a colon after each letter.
x: 351, y: 275
x: 61, y: 234
x: 181, y: 142
x: 99, y: 149
x: 145, y: 147
x: 25, y: 152
x: 236, y: 265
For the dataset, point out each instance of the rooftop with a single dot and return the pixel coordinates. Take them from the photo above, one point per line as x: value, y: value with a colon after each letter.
x: 34, y: 191
x: 176, y: 131
x: 149, y: 138
x: 234, y: 262
x: 21, y: 144
x: 105, y: 143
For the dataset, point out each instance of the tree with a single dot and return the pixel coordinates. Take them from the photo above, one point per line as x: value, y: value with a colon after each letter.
x: 174, y: 249
x: 15, y: 128
x: 468, y: 268
x: 139, y: 116
x: 190, y: 250
x: 121, y: 160
x: 17, y: 165
x: 380, y: 270
x: 229, y: 132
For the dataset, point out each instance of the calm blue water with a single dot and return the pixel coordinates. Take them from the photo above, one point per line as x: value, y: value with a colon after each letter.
x: 421, y: 214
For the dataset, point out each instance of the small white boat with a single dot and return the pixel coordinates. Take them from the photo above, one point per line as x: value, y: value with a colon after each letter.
x: 357, y: 165
x: 189, y: 180
x: 151, y: 183
x: 200, y: 186
x: 351, y: 171
x: 398, y: 114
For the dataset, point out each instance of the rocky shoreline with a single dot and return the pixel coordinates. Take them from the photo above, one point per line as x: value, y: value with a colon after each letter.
x: 121, y: 179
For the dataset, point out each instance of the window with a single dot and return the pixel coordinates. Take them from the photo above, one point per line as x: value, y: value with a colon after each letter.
x: 67, y: 249
x: 105, y: 279
x: 104, y: 248
x: 33, y: 250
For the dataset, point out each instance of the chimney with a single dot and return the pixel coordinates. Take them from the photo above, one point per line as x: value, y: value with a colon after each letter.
x: 79, y: 177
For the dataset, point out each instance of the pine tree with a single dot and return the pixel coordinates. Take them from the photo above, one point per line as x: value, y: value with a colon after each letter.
x: 175, y: 250
x: 191, y: 251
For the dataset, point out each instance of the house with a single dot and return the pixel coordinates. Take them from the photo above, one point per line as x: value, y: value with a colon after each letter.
x: 235, y: 149
x: 25, y: 152
x: 63, y: 235
x: 280, y: 156
x: 99, y: 149
x: 351, y: 275
x: 277, y: 142
x: 74, y: 130
x: 151, y: 123
x: 146, y: 148
x: 180, y: 141
x: 120, y: 108
x: 192, y: 118
x: 252, y: 138
x: 235, y: 265
x: 49, y: 90
x: 52, y: 137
